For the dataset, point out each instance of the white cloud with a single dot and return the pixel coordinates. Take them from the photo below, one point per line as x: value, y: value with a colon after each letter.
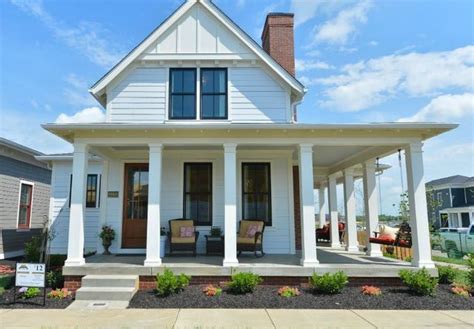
x: 337, y: 30
x: 75, y: 92
x: 445, y: 108
x: 373, y: 43
x: 89, y: 38
x: 368, y: 83
x: 309, y: 65
x: 304, y: 10
x: 87, y: 115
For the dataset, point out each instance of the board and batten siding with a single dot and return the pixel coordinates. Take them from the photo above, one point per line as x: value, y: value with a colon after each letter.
x: 142, y: 96
x: 60, y: 209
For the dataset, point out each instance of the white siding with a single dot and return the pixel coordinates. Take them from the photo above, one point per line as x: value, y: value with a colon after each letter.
x: 139, y: 96
x: 60, y: 209
x: 256, y: 96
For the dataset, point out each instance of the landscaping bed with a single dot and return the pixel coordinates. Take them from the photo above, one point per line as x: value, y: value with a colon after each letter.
x: 6, y: 301
x: 267, y: 297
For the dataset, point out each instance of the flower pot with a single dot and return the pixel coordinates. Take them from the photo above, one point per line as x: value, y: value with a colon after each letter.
x: 106, y: 244
x: 162, y: 245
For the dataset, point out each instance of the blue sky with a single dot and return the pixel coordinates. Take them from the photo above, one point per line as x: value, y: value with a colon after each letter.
x: 362, y: 61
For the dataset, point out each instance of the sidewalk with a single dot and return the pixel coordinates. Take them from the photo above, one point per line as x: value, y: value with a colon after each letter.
x: 232, y: 318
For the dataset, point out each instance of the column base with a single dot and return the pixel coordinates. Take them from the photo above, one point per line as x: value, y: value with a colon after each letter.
x: 75, y: 262
x: 152, y: 262
x: 421, y: 264
x: 230, y: 262
x: 352, y: 248
x: 336, y: 245
x: 309, y: 262
x: 374, y: 253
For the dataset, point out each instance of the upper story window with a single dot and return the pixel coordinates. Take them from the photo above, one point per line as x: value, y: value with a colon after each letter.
x: 182, y: 93
x: 214, y: 93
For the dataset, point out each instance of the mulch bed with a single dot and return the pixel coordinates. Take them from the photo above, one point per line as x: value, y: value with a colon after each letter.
x: 266, y: 297
x: 6, y: 301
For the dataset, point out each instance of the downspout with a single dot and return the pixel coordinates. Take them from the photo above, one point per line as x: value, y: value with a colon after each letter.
x: 294, y: 114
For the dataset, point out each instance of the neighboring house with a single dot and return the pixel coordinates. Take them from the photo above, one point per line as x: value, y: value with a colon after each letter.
x: 201, y: 123
x: 453, y: 201
x: 24, y: 196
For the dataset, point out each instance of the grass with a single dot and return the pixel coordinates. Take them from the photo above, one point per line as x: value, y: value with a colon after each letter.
x: 457, y: 261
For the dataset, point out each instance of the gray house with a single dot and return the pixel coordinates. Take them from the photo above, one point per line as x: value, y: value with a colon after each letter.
x: 24, y: 196
x: 453, y: 205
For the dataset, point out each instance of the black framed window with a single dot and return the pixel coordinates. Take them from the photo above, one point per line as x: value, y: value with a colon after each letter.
x: 198, y: 193
x: 182, y: 94
x: 256, y: 192
x: 214, y: 93
x: 92, y: 191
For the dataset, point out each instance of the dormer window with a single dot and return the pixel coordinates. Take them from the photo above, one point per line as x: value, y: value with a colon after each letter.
x: 183, y: 93
x: 214, y: 93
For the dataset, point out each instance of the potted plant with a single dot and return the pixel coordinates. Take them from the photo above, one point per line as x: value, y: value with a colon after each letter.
x: 162, y: 241
x: 107, y: 235
x: 216, y: 231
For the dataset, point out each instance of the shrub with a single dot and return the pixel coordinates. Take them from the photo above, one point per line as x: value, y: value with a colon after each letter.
x: 447, y: 274
x: 6, y: 269
x: 371, y: 291
x: 59, y: 293
x: 33, y: 249
x: 57, y: 260
x: 211, y: 291
x: 420, y: 282
x: 168, y: 283
x: 54, y: 279
x: 2, y: 291
x: 470, y: 263
x: 329, y: 283
x: 461, y: 289
x: 6, y: 281
x: 243, y: 283
x: 288, y: 292
x: 27, y: 293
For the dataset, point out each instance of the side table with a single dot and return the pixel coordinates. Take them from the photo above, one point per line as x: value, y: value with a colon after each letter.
x: 214, y: 245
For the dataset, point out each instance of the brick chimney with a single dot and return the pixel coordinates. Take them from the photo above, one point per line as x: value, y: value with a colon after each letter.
x: 278, y: 39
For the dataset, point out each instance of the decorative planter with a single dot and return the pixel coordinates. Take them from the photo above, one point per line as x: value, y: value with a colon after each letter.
x: 106, y: 244
x: 162, y: 245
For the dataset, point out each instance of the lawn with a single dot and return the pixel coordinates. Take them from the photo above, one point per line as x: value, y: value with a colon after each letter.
x: 457, y: 261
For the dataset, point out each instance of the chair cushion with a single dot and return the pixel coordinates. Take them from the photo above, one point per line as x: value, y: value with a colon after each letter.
x: 177, y: 239
x: 175, y: 226
x: 186, y: 231
x: 244, y: 240
x: 245, y: 224
x: 388, y: 231
x: 251, y: 230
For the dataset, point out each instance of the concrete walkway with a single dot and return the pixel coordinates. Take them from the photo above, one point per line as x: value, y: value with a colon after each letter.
x: 232, y: 318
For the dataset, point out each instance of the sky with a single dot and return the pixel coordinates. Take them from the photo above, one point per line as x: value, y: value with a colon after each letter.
x: 362, y: 61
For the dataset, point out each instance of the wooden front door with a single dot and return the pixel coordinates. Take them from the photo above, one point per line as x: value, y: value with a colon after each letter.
x: 135, y: 205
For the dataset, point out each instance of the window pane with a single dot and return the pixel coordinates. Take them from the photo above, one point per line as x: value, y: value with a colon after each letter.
x: 25, y: 194
x: 176, y: 81
x: 207, y: 78
x: 176, y: 106
x: 22, y: 216
x: 262, y: 207
x: 198, y: 192
x: 189, y: 107
x: 207, y: 106
x: 220, y: 81
x: 219, y: 106
x: 189, y: 81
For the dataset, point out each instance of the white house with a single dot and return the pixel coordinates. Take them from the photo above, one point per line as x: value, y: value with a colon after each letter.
x: 198, y: 97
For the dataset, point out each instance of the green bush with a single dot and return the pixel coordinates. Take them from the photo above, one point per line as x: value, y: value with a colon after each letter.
x: 2, y: 291
x: 57, y: 260
x: 470, y: 263
x: 243, y: 283
x: 420, y: 282
x: 6, y: 281
x: 33, y: 249
x: 329, y: 283
x: 447, y: 274
x: 54, y: 279
x: 30, y: 293
x: 168, y: 283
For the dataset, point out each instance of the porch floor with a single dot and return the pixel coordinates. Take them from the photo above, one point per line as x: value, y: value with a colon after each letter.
x: 355, y: 264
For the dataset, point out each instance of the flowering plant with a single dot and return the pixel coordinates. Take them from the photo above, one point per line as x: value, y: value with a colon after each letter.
x: 371, y: 291
x: 210, y: 290
x: 288, y: 292
x: 107, y: 234
x: 461, y: 289
x: 5, y: 269
x: 59, y: 293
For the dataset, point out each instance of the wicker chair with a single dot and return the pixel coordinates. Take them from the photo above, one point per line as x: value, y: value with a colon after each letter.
x: 249, y: 243
x: 179, y: 243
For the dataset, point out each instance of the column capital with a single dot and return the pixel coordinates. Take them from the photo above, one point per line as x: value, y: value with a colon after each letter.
x: 323, y: 184
x: 306, y: 148
x: 348, y: 171
x: 81, y: 148
x: 416, y: 147
x: 155, y: 147
x: 230, y: 147
x: 332, y: 177
x: 371, y: 163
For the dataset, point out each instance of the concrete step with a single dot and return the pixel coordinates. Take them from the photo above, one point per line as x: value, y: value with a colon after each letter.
x: 124, y: 281
x: 105, y: 293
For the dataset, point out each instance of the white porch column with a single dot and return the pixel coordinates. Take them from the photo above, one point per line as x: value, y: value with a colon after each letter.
x: 75, y: 247
x: 153, y: 216
x: 350, y: 206
x: 371, y: 207
x: 230, y: 197
x: 417, y: 199
x: 322, y: 204
x: 308, y: 220
x: 332, y: 197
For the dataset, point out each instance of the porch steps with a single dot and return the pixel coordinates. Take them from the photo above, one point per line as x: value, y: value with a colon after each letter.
x: 107, y: 288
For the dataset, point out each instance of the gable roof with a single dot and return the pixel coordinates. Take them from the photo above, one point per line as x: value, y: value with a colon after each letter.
x: 457, y: 179
x: 97, y: 90
x: 18, y: 147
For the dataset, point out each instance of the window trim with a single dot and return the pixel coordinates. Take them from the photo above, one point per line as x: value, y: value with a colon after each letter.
x: 269, y: 193
x: 226, y: 94
x: 30, y: 212
x: 90, y: 205
x: 170, y: 93
x: 98, y: 191
x: 211, y: 206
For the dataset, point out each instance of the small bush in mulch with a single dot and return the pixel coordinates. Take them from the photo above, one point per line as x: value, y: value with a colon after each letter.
x: 244, y: 283
x: 448, y: 274
x: 211, y: 290
x: 288, y: 292
x: 371, y: 290
x: 6, y: 301
x: 329, y: 283
x: 59, y: 293
x: 168, y: 283
x: 419, y: 282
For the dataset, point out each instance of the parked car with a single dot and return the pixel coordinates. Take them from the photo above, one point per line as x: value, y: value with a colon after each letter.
x: 458, y: 241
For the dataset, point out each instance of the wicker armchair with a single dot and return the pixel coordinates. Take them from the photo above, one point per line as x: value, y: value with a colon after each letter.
x: 177, y: 241
x: 247, y: 242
